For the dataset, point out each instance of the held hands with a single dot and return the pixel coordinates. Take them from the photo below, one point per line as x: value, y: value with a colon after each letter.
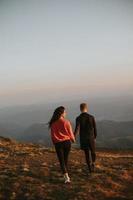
x: 73, y: 140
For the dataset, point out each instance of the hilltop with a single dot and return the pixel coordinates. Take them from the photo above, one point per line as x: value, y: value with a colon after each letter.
x: 31, y: 172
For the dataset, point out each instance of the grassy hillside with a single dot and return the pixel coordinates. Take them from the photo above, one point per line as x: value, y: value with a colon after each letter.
x: 31, y: 172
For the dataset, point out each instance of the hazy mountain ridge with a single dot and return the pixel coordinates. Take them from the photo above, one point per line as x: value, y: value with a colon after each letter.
x: 28, y: 123
x: 110, y: 134
x: 113, y: 134
x: 115, y: 109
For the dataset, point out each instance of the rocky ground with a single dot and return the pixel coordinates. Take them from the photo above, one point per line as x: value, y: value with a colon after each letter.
x: 31, y: 172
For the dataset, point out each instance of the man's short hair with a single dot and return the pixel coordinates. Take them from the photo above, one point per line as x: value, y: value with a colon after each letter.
x: 83, y: 106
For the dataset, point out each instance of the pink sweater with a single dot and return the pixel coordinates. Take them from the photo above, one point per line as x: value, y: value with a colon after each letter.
x: 61, y: 130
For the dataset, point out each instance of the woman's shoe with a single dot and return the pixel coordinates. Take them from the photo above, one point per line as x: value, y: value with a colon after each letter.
x: 67, y: 178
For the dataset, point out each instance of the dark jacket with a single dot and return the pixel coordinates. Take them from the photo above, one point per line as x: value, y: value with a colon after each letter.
x: 86, y: 126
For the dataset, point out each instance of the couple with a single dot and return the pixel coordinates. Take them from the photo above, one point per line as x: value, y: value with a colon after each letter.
x: 62, y: 136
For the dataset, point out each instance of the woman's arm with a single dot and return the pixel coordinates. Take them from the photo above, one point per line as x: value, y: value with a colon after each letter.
x: 70, y: 131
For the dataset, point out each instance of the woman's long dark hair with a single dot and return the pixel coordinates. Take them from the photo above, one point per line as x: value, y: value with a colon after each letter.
x: 56, y: 115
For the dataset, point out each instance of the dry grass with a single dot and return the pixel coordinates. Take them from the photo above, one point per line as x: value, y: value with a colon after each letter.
x: 29, y: 172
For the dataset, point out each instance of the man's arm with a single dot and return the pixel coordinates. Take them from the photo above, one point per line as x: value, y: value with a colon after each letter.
x: 77, y: 127
x: 95, y: 128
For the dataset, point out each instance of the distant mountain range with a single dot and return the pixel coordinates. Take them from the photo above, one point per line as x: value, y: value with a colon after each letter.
x: 114, y: 109
x: 114, y: 121
x: 111, y: 134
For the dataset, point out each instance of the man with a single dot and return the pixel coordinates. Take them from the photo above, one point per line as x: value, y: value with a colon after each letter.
x: 86, y: 127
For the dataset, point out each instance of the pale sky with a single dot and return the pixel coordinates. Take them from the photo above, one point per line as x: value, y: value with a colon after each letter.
x: 64, y: 49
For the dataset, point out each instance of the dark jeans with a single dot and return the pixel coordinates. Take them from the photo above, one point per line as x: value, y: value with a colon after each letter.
x: 62, y: 150
x: 90, y: 153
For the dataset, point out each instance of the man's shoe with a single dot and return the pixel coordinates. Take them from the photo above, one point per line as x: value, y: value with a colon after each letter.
x: 90, y: 170
x: 93, y: 167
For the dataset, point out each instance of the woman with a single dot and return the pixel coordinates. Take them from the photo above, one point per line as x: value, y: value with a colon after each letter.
x: 62, y: 135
